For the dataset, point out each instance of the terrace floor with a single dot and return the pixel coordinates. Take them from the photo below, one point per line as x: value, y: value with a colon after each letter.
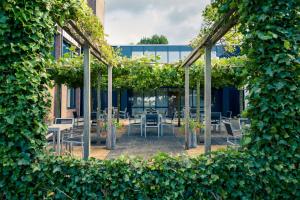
x: 136, y: 145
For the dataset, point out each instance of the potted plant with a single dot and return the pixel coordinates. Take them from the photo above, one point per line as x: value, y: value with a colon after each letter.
x: 194, y: 128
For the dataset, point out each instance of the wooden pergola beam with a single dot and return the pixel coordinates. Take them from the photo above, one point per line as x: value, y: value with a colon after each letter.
x: 218, y: 30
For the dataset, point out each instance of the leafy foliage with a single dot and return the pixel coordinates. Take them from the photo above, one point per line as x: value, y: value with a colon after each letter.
x: 155, y: 39
x: 267, y: 166
x: 272, y: 47
x: 147, y: 74
x: 212, y: 13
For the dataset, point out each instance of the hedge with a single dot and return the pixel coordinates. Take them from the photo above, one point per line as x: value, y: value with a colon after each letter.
x: 226, y: 175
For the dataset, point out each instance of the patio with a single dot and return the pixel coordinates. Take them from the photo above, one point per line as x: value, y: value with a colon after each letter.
x: 135, y: 145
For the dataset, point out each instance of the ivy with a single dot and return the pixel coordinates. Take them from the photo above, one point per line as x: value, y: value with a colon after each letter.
x: 266, y: 166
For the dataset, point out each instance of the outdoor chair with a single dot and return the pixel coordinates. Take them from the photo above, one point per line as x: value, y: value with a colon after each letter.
x: 136, y: 121
x: 169, y: 122
x: 64, y: 121
x: 227, y: 116
x: 216, y: 120
x: 244, y: 122
x: 193, y: 113
x: 76, y: 117
x: 94, y: 118
x: 70, y: 138
x: 233, y: 136
x: 152, y: 121
x: 123, y: 114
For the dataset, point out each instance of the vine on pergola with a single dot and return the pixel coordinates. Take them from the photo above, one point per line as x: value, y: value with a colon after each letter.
x: 145, y: 73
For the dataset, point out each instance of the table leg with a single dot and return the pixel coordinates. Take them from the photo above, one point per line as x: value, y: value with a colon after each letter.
x: 58, y: 142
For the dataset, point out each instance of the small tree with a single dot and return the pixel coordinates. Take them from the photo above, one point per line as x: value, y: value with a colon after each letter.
x: 155, y: 39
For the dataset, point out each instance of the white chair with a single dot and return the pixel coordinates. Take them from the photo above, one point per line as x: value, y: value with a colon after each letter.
x: 136, y: 121
x: 123, y: 114
x: 168, y: 122
x: 152, y: 121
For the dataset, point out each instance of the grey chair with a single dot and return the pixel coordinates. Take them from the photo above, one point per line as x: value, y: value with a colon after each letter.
x: 216, y: 120
x: 233, y: 136
x: 64, y: 121
x: 168, y: 122
x: 71, y: 137
x: 244, y: 122
x: 152, y: 121
x: 227, y: 116
x: 136, y: 121
x: 123, y: 114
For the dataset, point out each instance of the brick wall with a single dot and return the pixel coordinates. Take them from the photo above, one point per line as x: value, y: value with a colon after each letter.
x: 98, y: 7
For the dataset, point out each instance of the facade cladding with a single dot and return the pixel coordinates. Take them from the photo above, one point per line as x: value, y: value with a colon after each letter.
x: 166, y: 100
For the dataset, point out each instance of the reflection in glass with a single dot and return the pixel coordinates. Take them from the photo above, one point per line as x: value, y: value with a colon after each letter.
x: 162, y: 98
x: 150, y: 54
x: 149, y: 100
x: 173, y: 56
x: 137, y: 101
x: 137, y: 54
x: 163, y: 56
x: 184, y: 54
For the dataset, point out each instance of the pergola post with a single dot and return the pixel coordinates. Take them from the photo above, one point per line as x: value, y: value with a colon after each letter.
x: 87, y: 106
x: 207, y: 99
x: 198, y: 101
x: 110, y: 138
x: 98, y: 103
x: 187, y: 107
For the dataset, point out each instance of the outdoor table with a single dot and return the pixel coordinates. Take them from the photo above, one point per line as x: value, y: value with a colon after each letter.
x: 57, y: 128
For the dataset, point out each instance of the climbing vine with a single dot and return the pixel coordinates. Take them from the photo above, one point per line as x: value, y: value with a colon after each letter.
x: 267, y: 167
x: 147, y: 74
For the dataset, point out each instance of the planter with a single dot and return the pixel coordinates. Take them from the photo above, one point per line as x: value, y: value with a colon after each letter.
x: 193, y: 138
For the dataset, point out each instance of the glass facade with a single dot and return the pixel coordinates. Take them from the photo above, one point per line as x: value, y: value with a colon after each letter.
x: 164, y: 100
x: 163, y: 56
x: 184, y: 54
x: 174, y: 56
x: 166, y: 53
x: 137, y: 54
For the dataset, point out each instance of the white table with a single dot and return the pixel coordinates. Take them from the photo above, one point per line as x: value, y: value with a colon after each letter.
x: 57, y: 128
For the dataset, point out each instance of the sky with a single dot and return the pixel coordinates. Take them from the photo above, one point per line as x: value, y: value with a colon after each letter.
x: 127, y: 21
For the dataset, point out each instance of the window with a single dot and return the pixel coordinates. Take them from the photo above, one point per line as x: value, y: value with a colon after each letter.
x: 137, y: 100
x: 71, y: 98
x: 137, y: 54
x: 149, y: 100
x: 163, y: 56
x: 173, y: 56
x: 162, y: 98
x: 184, y: 54
x: 150, y: 54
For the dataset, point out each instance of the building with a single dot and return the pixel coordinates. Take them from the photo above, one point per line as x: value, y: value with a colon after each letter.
x: 167, y: 99
x: 67, y: 100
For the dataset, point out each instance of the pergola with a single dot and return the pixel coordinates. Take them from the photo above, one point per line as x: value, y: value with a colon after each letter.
x: 218, y: 30
x: 88, y: 49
